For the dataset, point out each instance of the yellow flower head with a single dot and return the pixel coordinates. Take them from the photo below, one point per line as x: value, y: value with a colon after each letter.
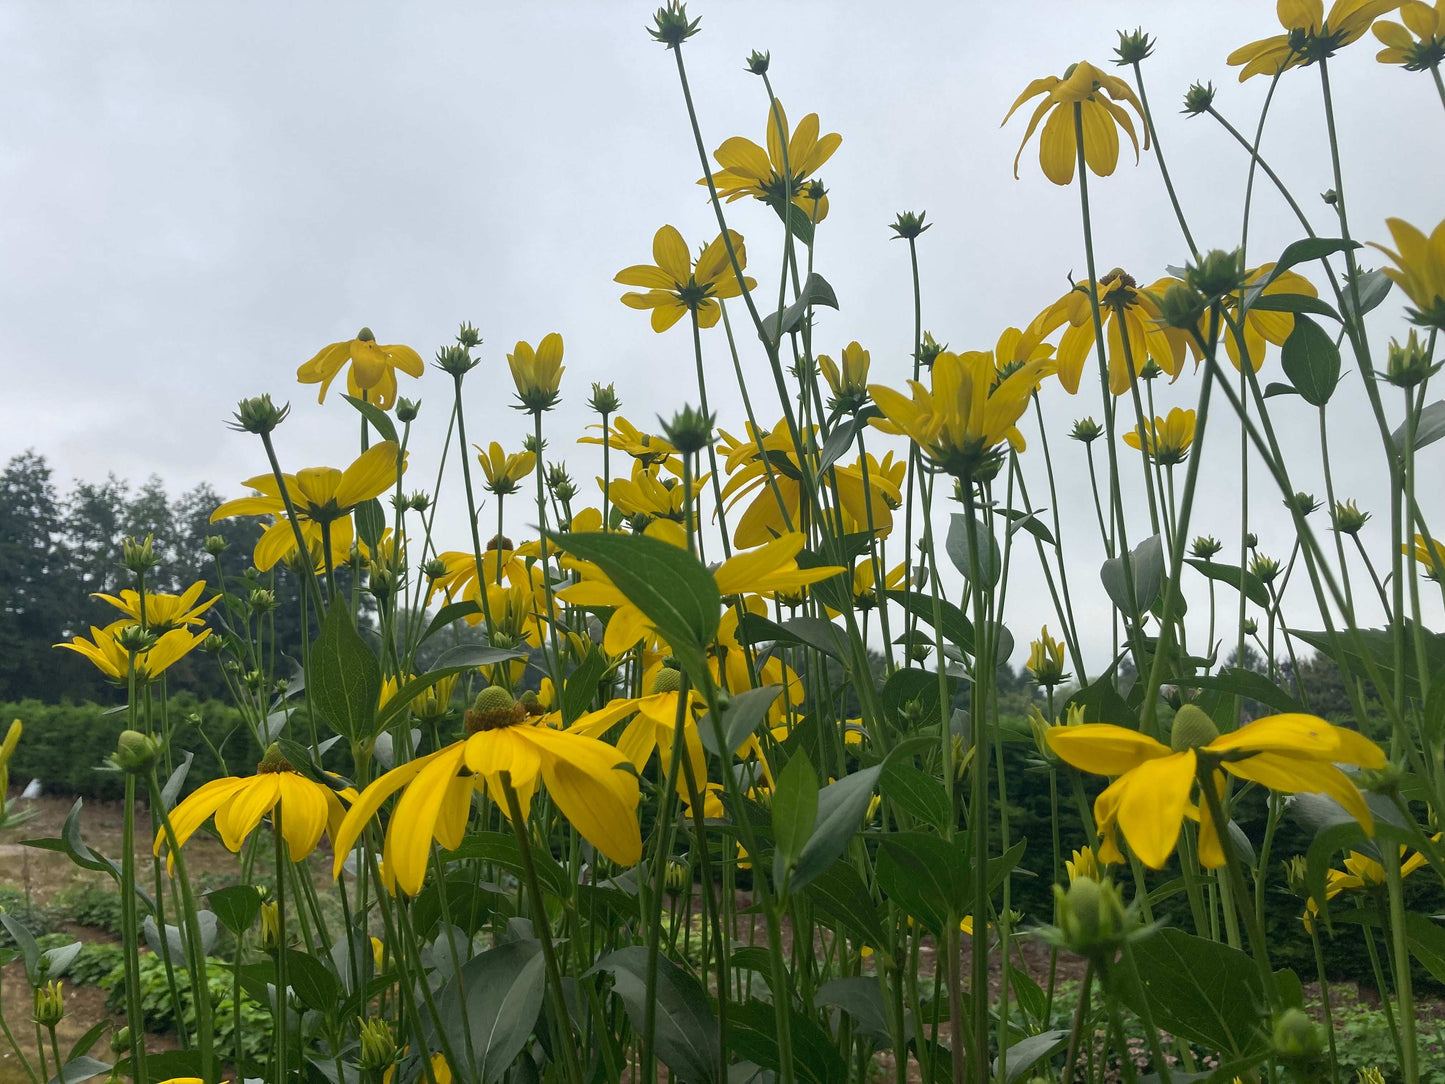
x: 373, y: 368
x: 538, y: 373
x: 1149, y: 798
x: 676, y: 285
x: 105, y: 650
x: 1419, y: 270
x: 1419, y: 45
x: 322, y: 497
x: 504, y: 472
x: 1309, y: 34
x: 850, y: 382
x: 766, y: 518
x: 1429, y: 553
x: 590, y: 783
x: 626, y: 437
x: 1165, y: 440
x: 1263, y: 326
x: 1046, y: 659
x: 961, y: 421
x: 648, y: 493
x: 748, y: 170
x: 1096, y: 95
x: 302, y: 808
x: 162, y: 612
x: 1133, y: 333
x: 1084, y: 863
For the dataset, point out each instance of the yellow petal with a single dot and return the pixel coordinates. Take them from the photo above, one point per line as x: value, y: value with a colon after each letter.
x: 1151, y: 806
x: 1103, y: 748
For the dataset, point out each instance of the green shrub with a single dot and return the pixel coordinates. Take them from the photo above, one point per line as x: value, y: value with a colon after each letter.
x: 89, y: 903
x: 34, y: 918
x: 95, y: 963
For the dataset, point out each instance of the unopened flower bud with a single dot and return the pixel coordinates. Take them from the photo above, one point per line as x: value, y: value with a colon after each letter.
x: 262, y: 600
x: 604, y: 399
x: 270, y: 926
x: 138, y: 554
x: 1205, y: 547
x: 1086, y: 430
x: 1198, y: 98
x: 676, y: 878
x: 929, y: 350
x: 1302, y: 502
x: 135, y: 752
x: 1092, y: 916
x: 1296, y: 875
x: 1133, y: 47
x: 758, y: 62
x: 259, y: 415
x: 689, y: 431
x: 1219, y: 273
x: 1408, y: 363
x: 1266, y: 568
x: 909, y: 225
x: 670, y: 25
x: 456, y: 360
x: 407, y: 409
x: 49, y: 1004
x: 134, y: 639
x: 1348, y: 517
x: 1297, y: 1039
x: 468, y: 338
x: 378, y: 1046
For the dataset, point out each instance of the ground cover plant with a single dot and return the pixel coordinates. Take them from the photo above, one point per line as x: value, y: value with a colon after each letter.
x: 707, y: 771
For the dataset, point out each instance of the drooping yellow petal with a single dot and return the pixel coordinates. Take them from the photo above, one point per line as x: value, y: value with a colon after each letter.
x: 1103, y: 748
x: 1151, y: 806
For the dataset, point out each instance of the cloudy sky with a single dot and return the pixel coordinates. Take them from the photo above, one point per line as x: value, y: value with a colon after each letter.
x: 195, y: 198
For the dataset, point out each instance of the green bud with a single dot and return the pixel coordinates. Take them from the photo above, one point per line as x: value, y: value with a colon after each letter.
x: 1296, y: 875
x: 135, y: 752
x: 690, y: 430
x: 1086, y: 430
x: 670, y: 26
x: 1181, y: 306
x: 49, y: 1004
x: 378, y: 1046
x: 758, y: 62
x: 1133, y: 47
x: 1206, y: 546
x: 1199, y: 98
x: 135, y: 640
x: 1193, y: 729
x: 1408, y: 364
x: 1302, y: 502
x: 406, y: 409
x: 468, y: 338
x: 1348, y: 517
x: 1297, y: 1038
x: 604, y: 399
x: 908, y: 225
x: 1092, y: 918
x: 456, y: 360
x: 259, y: 415
x: 677, y: 879
x: 1219, y: 273
x: 1266, y: 568
x: 138, y: 554
x: 216, y: 545
x: 929, y: 350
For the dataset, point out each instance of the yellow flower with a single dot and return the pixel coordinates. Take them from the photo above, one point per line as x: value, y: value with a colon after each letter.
x: 1166, y: 440
x: 104, y: 650
x: 1148, y: 800
x: 649, y: 494
x: 1262, y: 325
x: 770, y: 568
x: 676, y: 286
x: 850, y: 383
x: 1360, y: 874
x: 1420, y: 44
x: 1419, y: 270
x: 588, y: 781
x: 865, y: 583
x: 748, y: 170
x: 764, y: 519
x: 962, y: 420
x: 163, y: 612
x: 321, y: 495
x: 1309, y: 34
x: 1097, y: 94
x: 1129, y: 314
x: 626, y: 437
x: 1427, y: 552
x: 504, y: 472
x: 373, y: 368
x: 1084, y: 863
x: 1046, y: 659
x: 439, y: 1069
x: 306, y: 808
x: 538, y: 373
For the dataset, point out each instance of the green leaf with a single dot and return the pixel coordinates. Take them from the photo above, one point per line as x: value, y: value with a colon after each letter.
x: 841, y: 808
x: 990, y: 562
x: 1020, y: 520
x: 685, y: 1030
x: 1378, y: 645
x: 811, y: 632
x: 81, y: 1068
x: 494, y: 1009
x: 1311, y: 360
x: 315, y: 985
x: 956, y: 627
x: 581, y: 685
x: 1244, y: 580
x: 452, y: 611
x: 370, y: 523
x: 926, y: 876
x: 1102, y: 703
x: 1302, y: 251
x: 795, y: 811
x: 840, y: 898
x: 911, y: 685
x: 236, y: 907
x: 1274, y: 387
x: 28, y: 948
x: 343, y: 677
x: 917, y: 793
x: 500, y: 849
x: 743, y: 715
x: 1026, y: 1053
x: 862, y: 999
x: 816, y: 291
x: 1147, y: 564
x: 837, y: 444
x: 1432, y: 722
x: 1200, y: 989
x: 1428, y: 429
x: 379, y: 419
x: 1245, y: 683
x: 1374, y: 287
x: 669, y: 585
x: 1427, y: 943
x: 815, y: 1054
x: 1296, y: 303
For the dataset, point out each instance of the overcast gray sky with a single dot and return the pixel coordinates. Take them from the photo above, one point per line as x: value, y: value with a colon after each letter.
x: 195, y: 198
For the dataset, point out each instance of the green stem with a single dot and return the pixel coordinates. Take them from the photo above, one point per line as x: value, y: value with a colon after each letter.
x: 1404, y: 989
